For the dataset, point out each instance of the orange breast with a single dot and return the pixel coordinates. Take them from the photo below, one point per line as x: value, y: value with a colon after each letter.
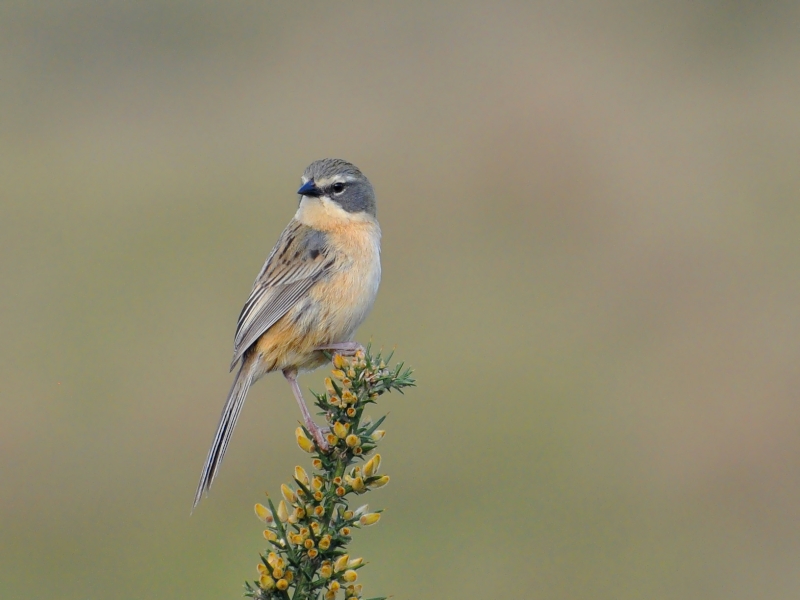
x: 333, y: 308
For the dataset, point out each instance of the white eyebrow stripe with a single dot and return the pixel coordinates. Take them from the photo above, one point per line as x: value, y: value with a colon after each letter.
x: 326, y: 181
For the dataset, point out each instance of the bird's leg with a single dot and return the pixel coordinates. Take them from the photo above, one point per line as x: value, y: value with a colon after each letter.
x: 343, y: 348
x: 315, y: 430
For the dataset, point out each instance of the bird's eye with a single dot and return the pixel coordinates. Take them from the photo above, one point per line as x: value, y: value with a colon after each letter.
x: 338, y: 188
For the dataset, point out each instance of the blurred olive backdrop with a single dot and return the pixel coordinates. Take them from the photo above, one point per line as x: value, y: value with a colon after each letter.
x: 591, y: 216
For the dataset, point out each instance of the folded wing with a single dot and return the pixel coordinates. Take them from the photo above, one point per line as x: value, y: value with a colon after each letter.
x: 298, y: 261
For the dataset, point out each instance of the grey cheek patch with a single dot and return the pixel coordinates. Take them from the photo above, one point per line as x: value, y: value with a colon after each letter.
x: 359, y: 199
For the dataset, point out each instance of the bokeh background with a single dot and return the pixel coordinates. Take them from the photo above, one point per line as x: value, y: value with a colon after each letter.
x: 591, y: 216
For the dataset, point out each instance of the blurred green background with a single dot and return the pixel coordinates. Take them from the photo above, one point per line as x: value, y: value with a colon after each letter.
x: 591, y: 216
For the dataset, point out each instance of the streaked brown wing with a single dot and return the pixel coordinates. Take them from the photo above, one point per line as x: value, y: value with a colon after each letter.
x: 297, y: 262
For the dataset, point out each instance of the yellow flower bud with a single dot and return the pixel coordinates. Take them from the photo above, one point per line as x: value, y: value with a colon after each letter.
x: 318, y: 496
x: 369, y: 519
x: 380, y: 481
x: 325, y: 571
x: 319, y: 511
x: 277, y: 573
x: 270, y: 535
x: 341, y: 563
x: 288, y: 576
x: 272, y: 559
x: 340, y: 491
x: 301, y: 475
x: 352, y: 441
x: 313, y: 553
x: 282, y: 584
x: 288, y: 493
x: 316, y: 527
x: 329, y: 387
x: 309, y: 544
x: 349, y: 397
x: 334, y: 586
x: 283, y: 512
x: 338, y: 374
x: 331, y: 439
x: 262, y: 512
x: 350, y: 576
x: 372, y: 466
x: 261, y: 568
x: 358, y: 485
x: 340, y: 429
x: 377, y: 435
x: 317, y: 463
x: 302, y: 441
x: 339, y: 361
x: 325, y: 542
x: 356, y: 562
x: 317, y: 482
x: 266, y: 582
x: 345, y: 531
x: 348, y: 514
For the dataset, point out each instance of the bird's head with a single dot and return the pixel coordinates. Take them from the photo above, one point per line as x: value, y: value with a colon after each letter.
x: 338, y: 181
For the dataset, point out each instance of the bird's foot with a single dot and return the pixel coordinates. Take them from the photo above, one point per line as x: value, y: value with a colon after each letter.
x: 320, y: 435
x: 343, y: 348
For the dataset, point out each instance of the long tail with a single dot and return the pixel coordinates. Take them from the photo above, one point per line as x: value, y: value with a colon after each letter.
x: 227, y: 422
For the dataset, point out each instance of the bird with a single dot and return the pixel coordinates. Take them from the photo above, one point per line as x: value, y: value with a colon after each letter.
x: 316, y: 287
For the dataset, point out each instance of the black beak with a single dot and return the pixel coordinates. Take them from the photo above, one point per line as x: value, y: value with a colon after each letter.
x: 310, y: 189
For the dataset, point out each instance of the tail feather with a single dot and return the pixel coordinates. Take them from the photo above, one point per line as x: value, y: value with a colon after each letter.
x: 227, y: 422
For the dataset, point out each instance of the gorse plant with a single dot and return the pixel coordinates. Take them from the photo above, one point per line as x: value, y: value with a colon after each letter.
x: 310, y: 528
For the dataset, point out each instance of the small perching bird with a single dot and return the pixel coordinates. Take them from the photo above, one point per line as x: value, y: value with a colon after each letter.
x: 316, y: 287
